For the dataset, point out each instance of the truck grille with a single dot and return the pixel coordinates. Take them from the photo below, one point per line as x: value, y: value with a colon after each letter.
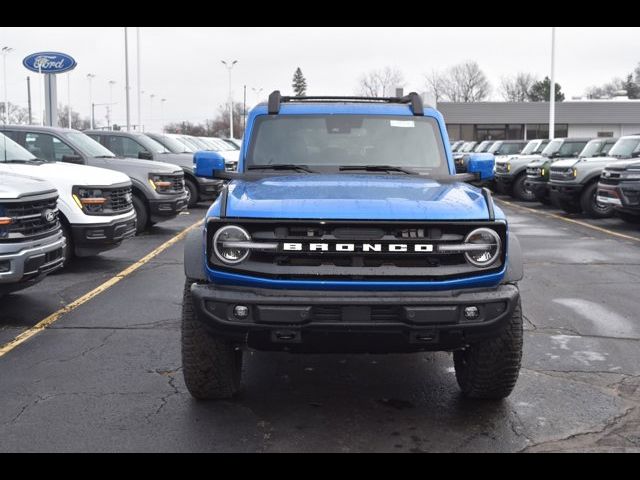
x: 177, y: 183
x: 562, y: 174
x: 32, y: 218
x: 610, y: 177
x: 358, y: 264
x: 534, y: 172
x: 119, y: 200
x: 501, y: 168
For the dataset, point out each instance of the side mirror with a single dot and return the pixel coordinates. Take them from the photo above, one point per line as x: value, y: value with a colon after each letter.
x: 207, y: 162
x: 482, y: 165
x: 77, y: 159
x: 635, y: 154
x: 145, y: 155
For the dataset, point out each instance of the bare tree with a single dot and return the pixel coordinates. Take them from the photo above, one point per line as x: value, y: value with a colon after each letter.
x: 434, y: 83
x: 465, y: 82
x: 381, y: 83
x: 76, y: 122
x: 17, y: 115
x: 516, y: 88
x: 218, y: 127
x: 607, y: 90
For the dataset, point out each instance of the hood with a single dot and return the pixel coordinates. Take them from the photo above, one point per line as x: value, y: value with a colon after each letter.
x: 60, y: 173
x: 183, y: 160
x: 14, y: 186
x: 119, y: 163
x: 522, y: 159
x: 355, y: 197
x: 566, y: 163
x: 623, y: 164
x: 538, y: 162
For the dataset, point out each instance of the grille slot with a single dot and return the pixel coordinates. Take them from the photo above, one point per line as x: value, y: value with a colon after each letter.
x: 118, y: 199
x: 29, y: 221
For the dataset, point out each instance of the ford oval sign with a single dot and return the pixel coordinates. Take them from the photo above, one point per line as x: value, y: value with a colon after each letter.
x: 49, y: 62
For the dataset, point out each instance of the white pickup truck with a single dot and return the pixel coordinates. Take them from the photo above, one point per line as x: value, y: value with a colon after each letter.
x: 96, y: 209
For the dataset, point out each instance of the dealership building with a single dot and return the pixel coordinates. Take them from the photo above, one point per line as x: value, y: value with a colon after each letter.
x: 530, y: 120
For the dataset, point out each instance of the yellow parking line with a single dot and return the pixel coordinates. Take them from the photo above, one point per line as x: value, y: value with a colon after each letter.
x: 42, y: 324
x: 571, y: 220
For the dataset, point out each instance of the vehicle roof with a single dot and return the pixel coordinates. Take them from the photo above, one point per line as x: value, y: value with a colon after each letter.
x: 344, y: 107
x: 38, y: 128
x: 114, y: 132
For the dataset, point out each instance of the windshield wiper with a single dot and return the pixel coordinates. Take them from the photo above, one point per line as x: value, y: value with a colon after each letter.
x: 378, y: 168
x: 281, y: 166
x: 20, y: 160
x: 105, y: 156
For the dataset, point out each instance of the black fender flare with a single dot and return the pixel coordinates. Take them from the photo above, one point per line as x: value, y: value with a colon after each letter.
x: 515, y: 262
x: 193, y: 255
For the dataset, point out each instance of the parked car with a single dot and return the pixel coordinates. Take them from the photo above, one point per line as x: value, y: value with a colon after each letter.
x: 504, y: 148
x: 619, y: 184
x: 31, y: 241
x: 466, y: 147
x: 139, y: 145
x: 462, y: 160
x: 511, y: 171
x: 456, y: 145
x: 538, y: 170
x: 236, y: 142
x: 95, y: 204
x: 574, y: 182
x: 158, y: 188
x: 171, y: 142
x: 337, y: 238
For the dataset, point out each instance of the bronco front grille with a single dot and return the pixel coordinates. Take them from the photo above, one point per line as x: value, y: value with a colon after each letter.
x: 610, y: 177
x: 31, y: 218
x: 357, y: 264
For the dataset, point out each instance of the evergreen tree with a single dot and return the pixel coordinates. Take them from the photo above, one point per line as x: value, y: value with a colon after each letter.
x: 299, y: 83
x: 541, y: 91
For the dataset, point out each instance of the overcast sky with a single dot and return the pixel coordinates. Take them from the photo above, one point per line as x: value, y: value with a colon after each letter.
x: 183, y: 64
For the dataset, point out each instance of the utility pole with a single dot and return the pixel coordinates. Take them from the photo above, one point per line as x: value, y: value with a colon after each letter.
x: 5, y: 52
x: 90, y: 77
x: 552, y: 92
x: 29, y: 97
x: 162, y: 100
x: 229, y: 66
x: 138, y: 77
x: 151, y: 97
x: 109, y: 110
x: 69, y: 99
x: 126, y: 76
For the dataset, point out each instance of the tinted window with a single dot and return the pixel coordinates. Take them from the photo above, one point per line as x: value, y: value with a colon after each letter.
x: 47, y: 147
x: 123, y: 146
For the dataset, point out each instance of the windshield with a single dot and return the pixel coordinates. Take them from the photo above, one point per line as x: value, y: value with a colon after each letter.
x: 327, y: 142
x: 190, y: 143
x: 232, y: 144
x: 88, y: 145
x: 150, y: 144
x: 531, y: 147
x: 625, y: 148
x: 509, y: 149
x: 592, y: 148
x: 605, y: 148
x: 482, y: 147
x: 10, y: 150
x: 467, y: 147
x: 552, y: 148
x: 495, y: 147
x: 171, y: 144
x: 221, y: 144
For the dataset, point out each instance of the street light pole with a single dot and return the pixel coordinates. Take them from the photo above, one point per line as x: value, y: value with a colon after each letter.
x: 69, y: 99
x: 162, y: 100
x: 126, y: 76
x: 151, y: 97
x: 90, y: 77
x: 140, y: 92
x: 5, y: 52
x: 552, y: 92
x: 111, y: 84
x: 229, y: 66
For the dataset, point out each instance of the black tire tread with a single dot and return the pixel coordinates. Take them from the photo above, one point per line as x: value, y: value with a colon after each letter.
x: 490, y: 369
x: 193, y: 188
x: 211, y: 366
x: 142, y: 215
x: 519, y: 191
x: 586, y: 202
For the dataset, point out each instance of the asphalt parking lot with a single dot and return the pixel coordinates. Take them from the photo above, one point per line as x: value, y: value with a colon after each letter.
x: 106, y: 376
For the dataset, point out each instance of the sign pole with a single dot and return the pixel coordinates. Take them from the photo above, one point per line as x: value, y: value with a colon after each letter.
x: 126, y: 75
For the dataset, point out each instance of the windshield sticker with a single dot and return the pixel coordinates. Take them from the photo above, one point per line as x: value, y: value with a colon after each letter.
x: 402, y: 123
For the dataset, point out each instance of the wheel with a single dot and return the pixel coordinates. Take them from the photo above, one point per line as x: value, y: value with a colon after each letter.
x: 629, y: 217
x: 520, y: 191
x: 212, y: 367
x: 489, y: 369
x: 141, y: 213
x: 68, y: 249
x: 590, y: 205
x: 192, y: 193
x: 568, y: 206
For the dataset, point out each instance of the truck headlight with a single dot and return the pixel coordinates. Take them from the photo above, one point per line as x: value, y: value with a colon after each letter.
x: 484, y: 246
x: 90, y: 200
x: 223, y: 244
x: 159, y: 183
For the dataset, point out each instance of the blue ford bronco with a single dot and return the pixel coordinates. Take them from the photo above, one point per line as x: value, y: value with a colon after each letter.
x: 346, y: 229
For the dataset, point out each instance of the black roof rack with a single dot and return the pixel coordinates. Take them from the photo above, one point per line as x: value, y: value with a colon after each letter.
x: 413, y: 99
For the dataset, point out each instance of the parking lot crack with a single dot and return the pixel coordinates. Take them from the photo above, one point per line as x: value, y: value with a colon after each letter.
x: 170, y: 374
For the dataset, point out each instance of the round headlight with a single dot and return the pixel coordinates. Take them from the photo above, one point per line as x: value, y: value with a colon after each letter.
x: 230, y: 254
x: 490, y: 252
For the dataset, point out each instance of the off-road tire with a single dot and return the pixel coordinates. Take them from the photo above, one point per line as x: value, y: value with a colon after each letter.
x: 589, y: 204
x: 489, y: 369
x: 142, y: 215
x: 211, y: 366
x: 192, y: 188
x: 68, y: 251
x: 520, y: 191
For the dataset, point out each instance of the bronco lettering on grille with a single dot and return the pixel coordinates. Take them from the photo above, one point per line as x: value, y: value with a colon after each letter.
x: 361, y: 247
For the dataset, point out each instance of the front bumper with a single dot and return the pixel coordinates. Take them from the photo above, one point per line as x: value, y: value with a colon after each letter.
x: 209, y: 189
x: 91, y: 239
x: 625, y: 196
x: 503, y: 178
x: 540, y: 188
x: 375, y: 322
x: 568, y: 191
x: 30, y: 262
x: 167, y: 208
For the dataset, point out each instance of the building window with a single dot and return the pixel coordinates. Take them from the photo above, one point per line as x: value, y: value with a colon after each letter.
x: 491, y: 132
x: 541, y: 130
